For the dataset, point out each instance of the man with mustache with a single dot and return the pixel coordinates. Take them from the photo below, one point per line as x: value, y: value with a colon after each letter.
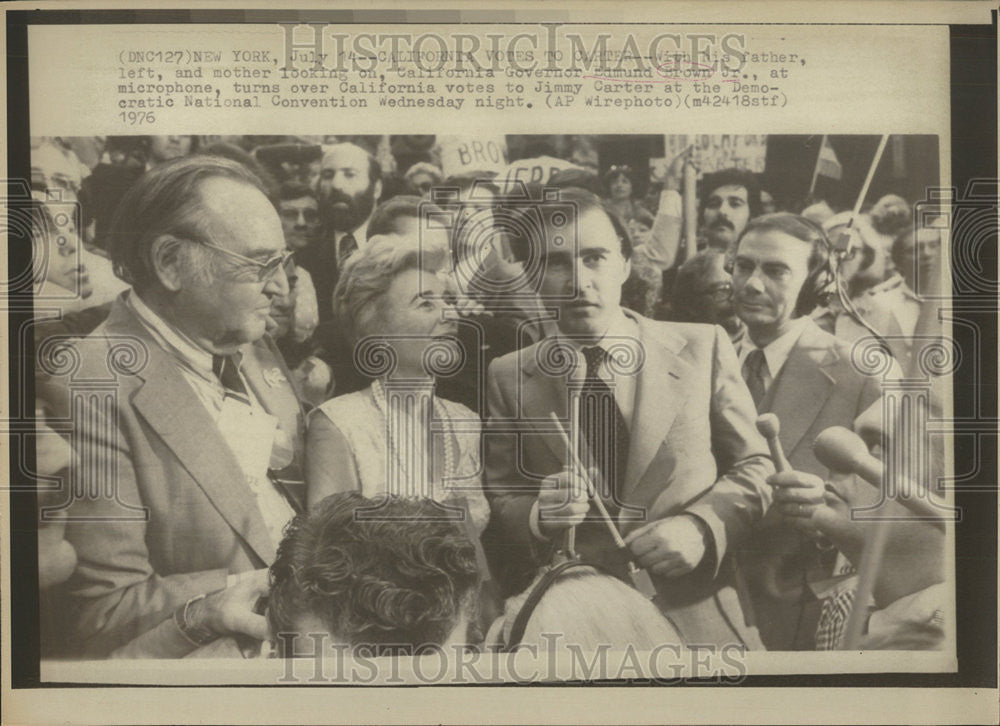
x: 728, y: 200
x: 806, y: 377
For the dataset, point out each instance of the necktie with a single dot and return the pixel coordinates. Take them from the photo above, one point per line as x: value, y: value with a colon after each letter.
x: 348, y: 246
x: 754, y: 373
x: 228, y: 371
x: 603, y: 428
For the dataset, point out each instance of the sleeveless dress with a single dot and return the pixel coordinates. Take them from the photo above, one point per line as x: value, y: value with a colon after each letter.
x: 456, y: 470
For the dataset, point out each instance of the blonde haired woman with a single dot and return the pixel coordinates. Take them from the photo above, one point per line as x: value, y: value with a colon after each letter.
x: 397, y: 436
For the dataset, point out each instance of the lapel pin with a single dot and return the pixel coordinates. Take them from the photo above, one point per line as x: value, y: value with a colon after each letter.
x: 274, y: 377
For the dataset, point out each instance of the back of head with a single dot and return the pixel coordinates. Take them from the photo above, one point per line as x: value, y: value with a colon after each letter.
x: 891, y: 215
x: 166, y: 200
x: 590, y: 610
x: 689, y: 284
x: 373, y: 572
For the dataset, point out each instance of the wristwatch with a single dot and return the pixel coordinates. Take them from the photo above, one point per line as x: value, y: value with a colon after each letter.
x: 195, y: 635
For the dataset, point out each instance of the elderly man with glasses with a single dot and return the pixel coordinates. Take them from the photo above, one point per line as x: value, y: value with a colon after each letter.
x: 188, y: 429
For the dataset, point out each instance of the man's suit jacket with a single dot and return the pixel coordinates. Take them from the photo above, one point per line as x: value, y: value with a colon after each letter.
x: 182, y: 517
x: 693, y: 449
x: 817, y: 387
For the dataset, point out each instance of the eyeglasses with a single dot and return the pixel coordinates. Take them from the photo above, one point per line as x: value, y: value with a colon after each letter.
x: 265, y: 270
x: 308, y: 215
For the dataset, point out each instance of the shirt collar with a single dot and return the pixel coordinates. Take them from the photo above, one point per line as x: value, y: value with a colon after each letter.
x: 776, y: 352
x: 360, y: 234
x: 171, y: 339
x: 623, y: 331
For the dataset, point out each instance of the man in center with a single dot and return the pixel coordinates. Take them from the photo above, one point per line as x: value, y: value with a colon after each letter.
x: 677, y: 459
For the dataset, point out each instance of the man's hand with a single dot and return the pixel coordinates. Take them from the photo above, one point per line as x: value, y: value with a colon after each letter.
x: 562, y: 502
x: 670, y: 547
x: 230, y: 610
x: 797, y: 495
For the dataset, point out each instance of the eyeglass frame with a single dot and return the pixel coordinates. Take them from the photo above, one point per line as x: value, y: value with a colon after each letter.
x: 299, y: 212
x: 264, y: 274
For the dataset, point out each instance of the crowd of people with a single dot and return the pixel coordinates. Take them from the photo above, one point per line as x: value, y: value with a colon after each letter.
x: 385, y: 405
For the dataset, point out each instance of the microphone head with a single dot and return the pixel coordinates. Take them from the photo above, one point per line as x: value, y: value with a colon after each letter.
x: 840, y: 449
x: 768, y: 425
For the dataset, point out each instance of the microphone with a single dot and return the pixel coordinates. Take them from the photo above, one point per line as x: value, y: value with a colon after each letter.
x: 844, y: 451
x: 769, y: 427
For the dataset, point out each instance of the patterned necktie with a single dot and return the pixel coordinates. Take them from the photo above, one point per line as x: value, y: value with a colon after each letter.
x: 754, y: 373
x: 228, y: 371
x: 603, y: 428
x: 348, y: 246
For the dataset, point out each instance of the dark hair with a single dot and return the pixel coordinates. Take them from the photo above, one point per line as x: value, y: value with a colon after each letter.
x: 820, y: 273
x: 891, y: 215
x: 293, y: 189
x: 524, y: 238
x: 235, y: 153
x: 165, y: 200
x: 730, y: 177
x: 147, y: 142
x: 687, y: 284
x: 613, y: 173
x: 374, y: 168
x: 398, y: 577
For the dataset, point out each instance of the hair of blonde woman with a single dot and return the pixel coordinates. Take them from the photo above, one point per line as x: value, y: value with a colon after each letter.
x: 589, y: 610
x: 368, y: 273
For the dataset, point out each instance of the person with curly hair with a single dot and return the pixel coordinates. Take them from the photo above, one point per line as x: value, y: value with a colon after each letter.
x: 389, y: 581
x: 385, y: 575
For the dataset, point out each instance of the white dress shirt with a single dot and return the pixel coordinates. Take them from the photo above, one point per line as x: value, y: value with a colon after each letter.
x: 360, y: 236
x: 777, y: 351
x: 195, y: 364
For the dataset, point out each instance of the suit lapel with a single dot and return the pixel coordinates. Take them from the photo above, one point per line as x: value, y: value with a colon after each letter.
x: 543, y: 394
x: 660, y: 391
x: 171, y: 408
x: 270, y: 381
x: 802, y: 387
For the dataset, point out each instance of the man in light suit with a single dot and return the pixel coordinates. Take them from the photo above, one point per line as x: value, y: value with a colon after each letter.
x: 186, y: 480
x: 684, y: 474
x: 806, y: 377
